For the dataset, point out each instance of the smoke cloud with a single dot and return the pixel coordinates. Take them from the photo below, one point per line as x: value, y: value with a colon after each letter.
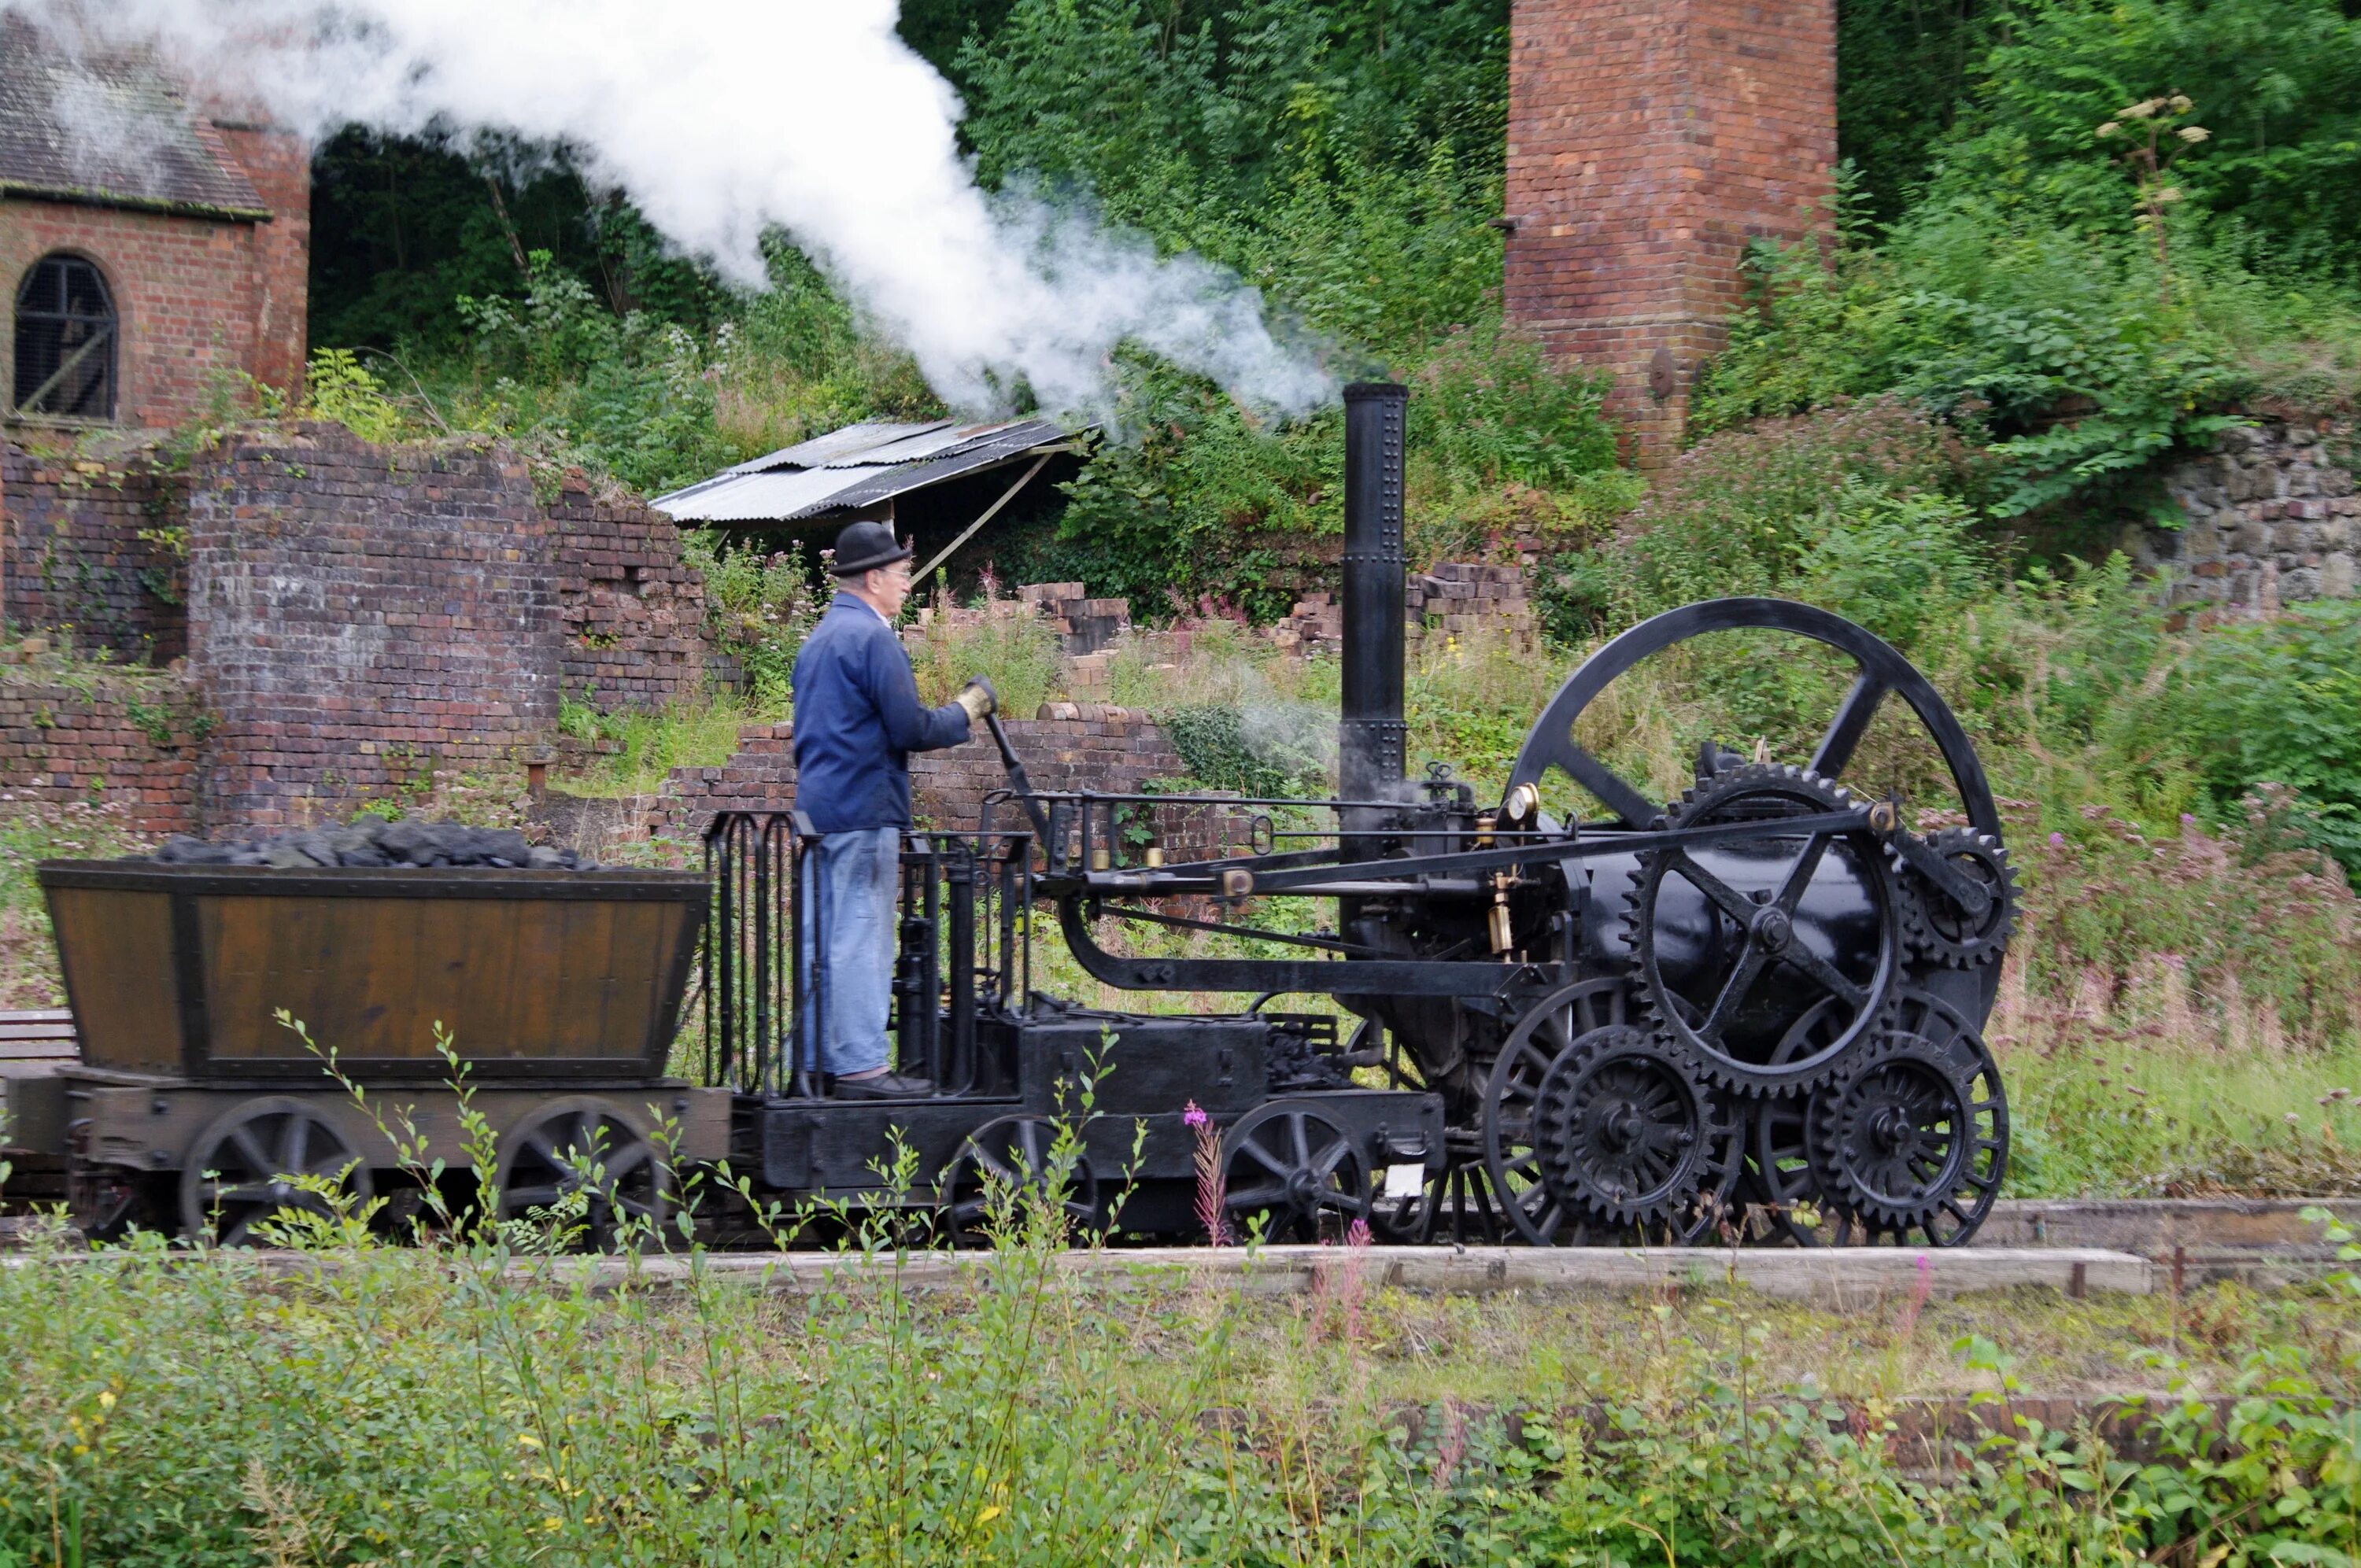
x: 723, y: 117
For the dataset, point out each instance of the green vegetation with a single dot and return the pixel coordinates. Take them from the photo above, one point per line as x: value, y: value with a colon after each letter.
x: 475, y: 1399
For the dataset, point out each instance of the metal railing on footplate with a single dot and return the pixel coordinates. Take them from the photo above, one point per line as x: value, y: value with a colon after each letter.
x: 962, y: 952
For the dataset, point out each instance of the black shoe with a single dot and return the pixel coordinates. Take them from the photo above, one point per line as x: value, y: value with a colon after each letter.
x: 884, y: 1086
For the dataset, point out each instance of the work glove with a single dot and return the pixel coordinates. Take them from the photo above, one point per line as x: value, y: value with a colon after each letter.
x: 978, y: 697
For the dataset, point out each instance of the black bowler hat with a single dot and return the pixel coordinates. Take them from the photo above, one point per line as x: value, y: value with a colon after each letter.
x: 864, y: 547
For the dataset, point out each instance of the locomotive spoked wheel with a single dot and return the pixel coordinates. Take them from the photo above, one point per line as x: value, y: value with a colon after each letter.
x: 1511, y: 1160
x: 1004, y: 1163
x: 1300, y: 1175
x: 1910, y: 1142
x: 1937, y: 924
x: 238, y: 1175
x: 1724, y: 946
x: 1629, y: 1137
x: 586, y: 1145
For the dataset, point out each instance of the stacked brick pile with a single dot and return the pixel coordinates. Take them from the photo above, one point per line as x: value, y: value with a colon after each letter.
x: 632, y: 610
x: 1460, y: 601
x: 2273, y: 519
x: 1083, y: 625
x: 122, y: 742
x: 1463, y: 600
x: 75, y: 557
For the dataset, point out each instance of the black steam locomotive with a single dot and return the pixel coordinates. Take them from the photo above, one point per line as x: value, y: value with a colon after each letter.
x: 1567, y: 1013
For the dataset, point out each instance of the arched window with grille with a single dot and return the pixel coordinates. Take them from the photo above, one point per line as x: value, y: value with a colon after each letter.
x: 65, y: 341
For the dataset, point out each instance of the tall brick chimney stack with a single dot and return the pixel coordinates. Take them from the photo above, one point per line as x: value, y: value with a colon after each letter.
x: 1648, y: 140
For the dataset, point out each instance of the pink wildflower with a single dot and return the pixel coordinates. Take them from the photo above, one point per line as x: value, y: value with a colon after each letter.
x: 1193, y: 1115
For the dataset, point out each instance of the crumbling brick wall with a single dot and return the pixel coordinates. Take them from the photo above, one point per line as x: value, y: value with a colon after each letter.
x: 633, y: 611
x: 74, y: 555
x: 120, y: 742
x: 1453, y: 600
x: 361, y: 616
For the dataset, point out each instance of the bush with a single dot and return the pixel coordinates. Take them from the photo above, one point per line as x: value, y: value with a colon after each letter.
x: 758, y: 607
x: 2280, y: 702
x: 1008, y: 642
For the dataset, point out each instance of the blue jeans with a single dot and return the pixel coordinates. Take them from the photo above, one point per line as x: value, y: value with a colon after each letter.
x: 850, y: 882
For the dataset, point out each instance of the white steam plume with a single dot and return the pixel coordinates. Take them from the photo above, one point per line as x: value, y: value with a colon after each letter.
x: 722, y: 117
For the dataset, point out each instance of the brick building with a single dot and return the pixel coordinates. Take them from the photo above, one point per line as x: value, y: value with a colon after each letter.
x: 150, y: 246
x: 1649, y: 141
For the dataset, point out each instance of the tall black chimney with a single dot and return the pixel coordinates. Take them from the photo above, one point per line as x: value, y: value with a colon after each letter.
x: 1372, y: 739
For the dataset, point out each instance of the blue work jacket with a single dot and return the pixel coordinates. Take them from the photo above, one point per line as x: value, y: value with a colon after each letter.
x: 858, y: 719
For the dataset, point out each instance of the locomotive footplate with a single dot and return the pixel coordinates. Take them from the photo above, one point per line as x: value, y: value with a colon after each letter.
x: 1143, y: 1074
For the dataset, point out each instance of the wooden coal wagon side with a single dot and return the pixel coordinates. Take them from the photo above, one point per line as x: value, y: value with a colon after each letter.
x: 560, y: 991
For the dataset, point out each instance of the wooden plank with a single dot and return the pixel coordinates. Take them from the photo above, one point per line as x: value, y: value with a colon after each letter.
x: 40, y: 1051
x: 117, y: 950
x: 36, y: 1031
x: 1844, y: 1278
x: 36, y: 1015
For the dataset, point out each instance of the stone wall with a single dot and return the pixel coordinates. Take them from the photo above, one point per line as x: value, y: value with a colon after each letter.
x: 123, y: 741
x: 74, y: 556
x: 2273, y: 519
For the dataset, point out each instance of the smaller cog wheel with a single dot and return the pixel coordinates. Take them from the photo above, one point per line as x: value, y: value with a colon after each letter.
x: 1913, y: 1136
x: 1630, y: 1137
x: 1936, y: 926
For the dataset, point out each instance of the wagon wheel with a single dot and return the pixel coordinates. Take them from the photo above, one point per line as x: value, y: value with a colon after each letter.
x: 1014, y: 1154
x: 1294, y: 1165
x: 237, y: 1175
x: 1512, y: 1166
x: 587, y: 1144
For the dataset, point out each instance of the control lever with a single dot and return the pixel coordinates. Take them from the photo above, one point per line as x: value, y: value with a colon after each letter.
x: 1017, y: 781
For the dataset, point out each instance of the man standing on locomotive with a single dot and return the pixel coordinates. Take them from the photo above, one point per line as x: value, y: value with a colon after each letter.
x: 857, y: 719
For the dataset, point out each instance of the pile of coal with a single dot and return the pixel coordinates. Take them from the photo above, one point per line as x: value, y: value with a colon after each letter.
x: 370, y: 842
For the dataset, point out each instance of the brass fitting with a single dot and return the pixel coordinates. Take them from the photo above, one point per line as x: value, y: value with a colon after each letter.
x: 1497, y: 917
x: 1154, y: 856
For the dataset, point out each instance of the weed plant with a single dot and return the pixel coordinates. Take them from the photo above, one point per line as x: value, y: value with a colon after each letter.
x: 479, y: 1397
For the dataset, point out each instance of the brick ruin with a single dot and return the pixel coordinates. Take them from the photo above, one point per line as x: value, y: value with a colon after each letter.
x: 1649, y: 142
x: 347, y: 619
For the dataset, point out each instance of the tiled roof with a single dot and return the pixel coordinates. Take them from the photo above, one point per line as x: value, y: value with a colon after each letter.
x: 107, y: 129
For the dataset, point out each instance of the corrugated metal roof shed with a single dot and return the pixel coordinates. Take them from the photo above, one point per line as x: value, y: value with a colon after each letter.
x: 857, y: 468
x: 111, y: 130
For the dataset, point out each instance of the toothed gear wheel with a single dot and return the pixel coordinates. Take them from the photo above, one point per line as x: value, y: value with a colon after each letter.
x: 1937, y: 926
x: 1732, y: 943
x: 1629, y: 1137
x: 1912, y: 1138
